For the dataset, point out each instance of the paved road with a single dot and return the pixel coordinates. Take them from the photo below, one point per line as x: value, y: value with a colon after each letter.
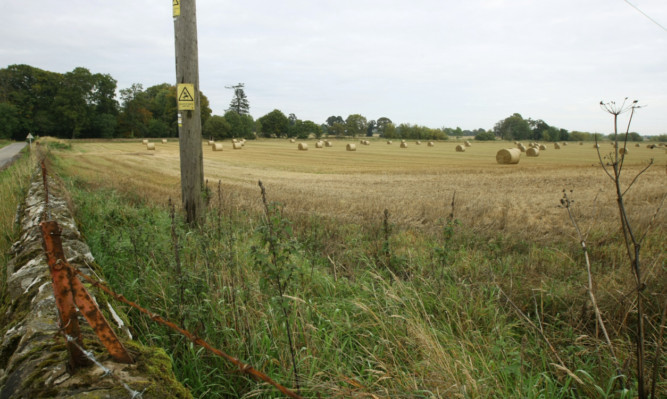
x: 8, y: 153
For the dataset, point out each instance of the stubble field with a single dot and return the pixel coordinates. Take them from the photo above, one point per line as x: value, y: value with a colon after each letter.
x: 416, y: 184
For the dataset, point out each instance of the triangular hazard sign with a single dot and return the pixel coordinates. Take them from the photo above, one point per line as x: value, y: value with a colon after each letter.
x: 185, y: 95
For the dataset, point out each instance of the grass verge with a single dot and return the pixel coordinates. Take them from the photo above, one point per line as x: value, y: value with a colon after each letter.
x: 14, y: 182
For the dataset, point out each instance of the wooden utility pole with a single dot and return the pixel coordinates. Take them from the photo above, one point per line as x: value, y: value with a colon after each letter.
x: 187, y: 95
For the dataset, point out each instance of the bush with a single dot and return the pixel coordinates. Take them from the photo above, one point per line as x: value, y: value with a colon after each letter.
x: 485, y: 136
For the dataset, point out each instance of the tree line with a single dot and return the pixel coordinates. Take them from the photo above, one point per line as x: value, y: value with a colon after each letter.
x: 82, y: 104
x: 515, y: 127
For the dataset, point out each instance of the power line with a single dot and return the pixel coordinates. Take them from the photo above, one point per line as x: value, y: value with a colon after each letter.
x: 646, y: 15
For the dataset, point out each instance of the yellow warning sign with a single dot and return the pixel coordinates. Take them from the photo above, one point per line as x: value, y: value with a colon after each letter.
x: 186, y: 97
x: 177, y: 7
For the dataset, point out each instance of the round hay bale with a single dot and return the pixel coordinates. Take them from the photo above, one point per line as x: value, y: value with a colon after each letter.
x: 556, y: 146
x: 460, y: 148
x: 522, y: 147
x: 431, y: 144
x: 351, y: 147
x: 292, y: 141
x: 533, y: 152
x: 235, y: 141
x: 623, y: 151
x: 366, y: 142
x: 650, y: 146
x: 508, y: 156
x: 144, y: 141
x: 596, y: 145
x: 467, y: 143
x: 404, y: 144
x: 303, y: 147
x: 150, y: 146
x: 388, y: 141
x: 402, y: 141
x: 637, y: 145
x: 564, y: 143
x: 543, y: 147
x: 237, y: 146
x: 418, y: 142
x: 164, y: 141
x: 211, y: 142
x: 217, y: 146
x: 319, y: 144
x: 328, y: 143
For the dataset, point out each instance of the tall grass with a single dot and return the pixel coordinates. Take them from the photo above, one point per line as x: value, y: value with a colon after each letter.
x: 434, y: 324
x: 13, y: 186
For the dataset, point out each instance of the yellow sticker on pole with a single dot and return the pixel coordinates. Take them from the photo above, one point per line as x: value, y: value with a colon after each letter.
x: 177, y: 7
x: 185, y: 94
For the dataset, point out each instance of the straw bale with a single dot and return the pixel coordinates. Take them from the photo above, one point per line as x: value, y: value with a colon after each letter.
x: 150, y: 146
x: 467, y: 143
x: 303, y: 147
x: 533, y: 152
x: 328, y: 143
x: 211, y: 142
x: 543, y: 147
x: 431, y: 144
x: 292, y: 140
x: 508, y: 156
x: 522, y: 147
x: 418, y: 142
x: 637, y: 145
x: 460, y: 148
x: 564, y: 142
x: 351, y: 147
x: 237, y: 146
x: 319, y: 144
x: 164, y: 141
x: 217, y: 146
x: 623, y: 151
x: 388, y: 141
x: 557, y: 146
x: 404, y: 144
x: 596, y: 145
x: 144, y: 141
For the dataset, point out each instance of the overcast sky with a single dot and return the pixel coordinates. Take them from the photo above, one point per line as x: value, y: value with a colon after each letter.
x: 438, y: 63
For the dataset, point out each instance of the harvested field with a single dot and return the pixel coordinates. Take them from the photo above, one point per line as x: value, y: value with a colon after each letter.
x: 416, y: 186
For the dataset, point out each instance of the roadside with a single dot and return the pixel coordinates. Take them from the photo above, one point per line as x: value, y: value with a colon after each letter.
x: 9, y: 153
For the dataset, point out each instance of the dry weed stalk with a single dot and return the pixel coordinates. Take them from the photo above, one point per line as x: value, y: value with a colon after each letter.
x: 632, y: 243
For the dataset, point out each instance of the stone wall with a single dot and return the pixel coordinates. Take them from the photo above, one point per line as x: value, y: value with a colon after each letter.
x: 33, y: 355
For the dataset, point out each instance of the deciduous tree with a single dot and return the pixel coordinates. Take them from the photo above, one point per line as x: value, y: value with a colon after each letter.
x: 275, y: 123
x: 356, y: 125
x: 513, y: 128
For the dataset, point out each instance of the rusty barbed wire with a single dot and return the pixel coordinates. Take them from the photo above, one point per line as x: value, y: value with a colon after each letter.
x: 106, y: 371
x: 245, y: 368
x: 46, y: 215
